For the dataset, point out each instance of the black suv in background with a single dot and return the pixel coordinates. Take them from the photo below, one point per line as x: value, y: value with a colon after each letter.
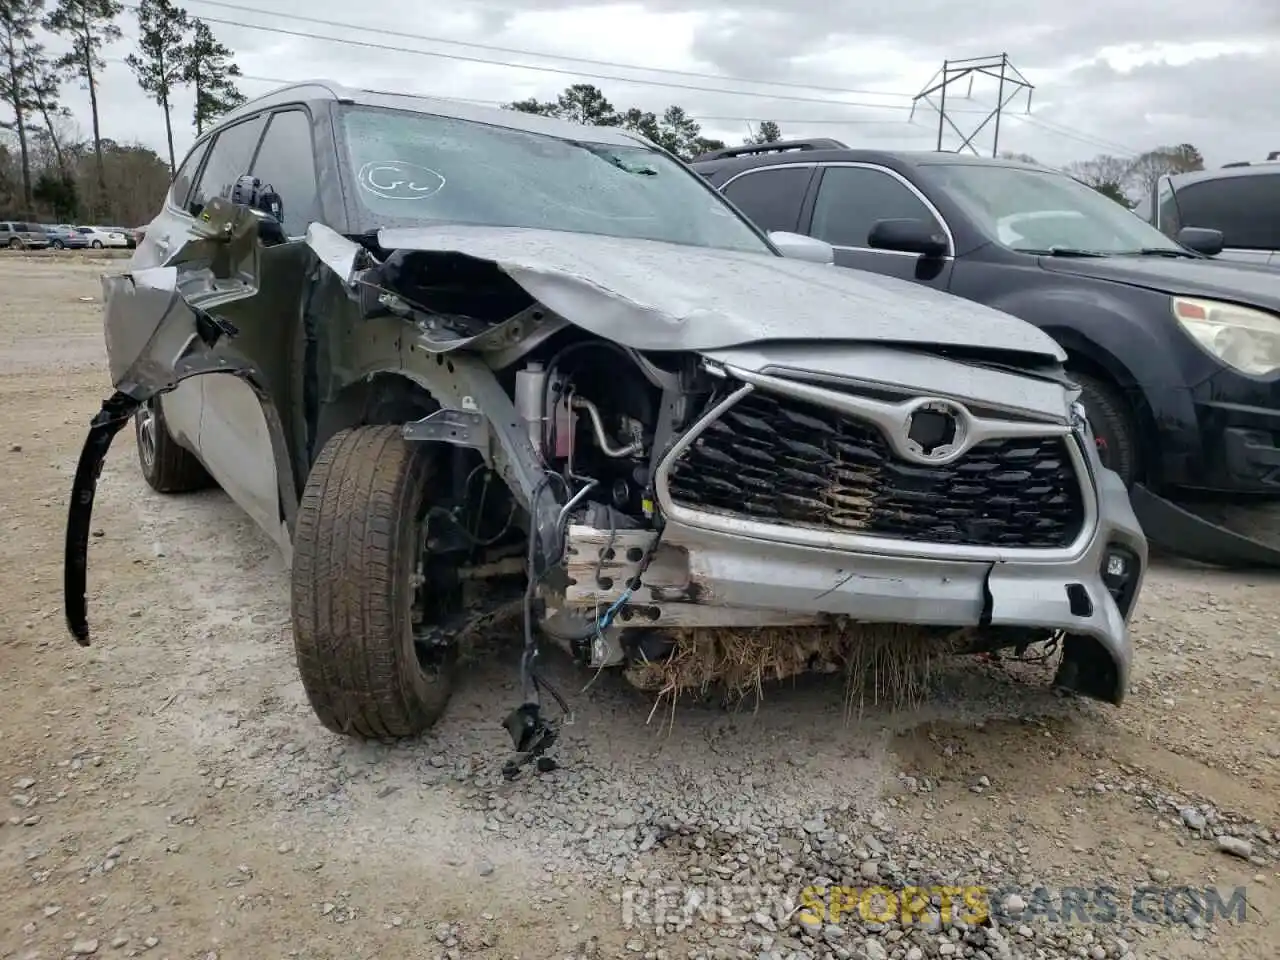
x: 1177, y: 354
x: 1241, y: 200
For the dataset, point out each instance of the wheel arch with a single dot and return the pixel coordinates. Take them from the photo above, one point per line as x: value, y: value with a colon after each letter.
x: 1092, y: 359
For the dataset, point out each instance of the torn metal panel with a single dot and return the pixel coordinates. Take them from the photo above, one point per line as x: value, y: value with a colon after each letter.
x: 335, y: 251
x: 650, y: 295
x: 116, y: 411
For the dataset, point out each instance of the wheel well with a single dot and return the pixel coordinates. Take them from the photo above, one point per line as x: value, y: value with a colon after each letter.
x: 1127, y: 390
x: 384, y: 398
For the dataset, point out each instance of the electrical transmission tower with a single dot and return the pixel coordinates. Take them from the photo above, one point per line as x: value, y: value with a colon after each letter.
x: 997, y: 68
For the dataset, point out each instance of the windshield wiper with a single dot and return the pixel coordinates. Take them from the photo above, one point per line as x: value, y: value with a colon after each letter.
x: 1062, y: 252
x: 1163, y: 252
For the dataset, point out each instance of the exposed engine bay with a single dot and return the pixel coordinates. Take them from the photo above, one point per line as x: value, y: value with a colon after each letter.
x: 613, y: 428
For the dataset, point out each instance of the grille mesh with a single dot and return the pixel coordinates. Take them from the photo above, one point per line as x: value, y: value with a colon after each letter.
x: 787, y: 462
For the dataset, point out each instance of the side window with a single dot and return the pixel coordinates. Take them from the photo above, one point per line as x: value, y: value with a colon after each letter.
x: 186, y: 173
x: 1167, y: 209
x: 771, y: 197
x: 851, y: 199
x: 1245, y: 208
x: 286, y: 162
x: 228, y: 161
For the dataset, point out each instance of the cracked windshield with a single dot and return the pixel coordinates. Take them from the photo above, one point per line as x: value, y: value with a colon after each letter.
x: 413, y: 168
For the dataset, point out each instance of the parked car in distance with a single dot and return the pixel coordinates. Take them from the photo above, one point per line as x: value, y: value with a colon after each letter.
x: 557, y: 378
x: 100, y: 237
x: 63, y: 236
x: 1178, y: 355
x: 1241, y: 201
x: 21, y: 235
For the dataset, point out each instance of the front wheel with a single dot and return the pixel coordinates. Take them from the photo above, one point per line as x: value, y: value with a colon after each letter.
x: 1112, y: 426
x: 15, y: 244
x: 97, y: 244
x: 368, y: 669
x: 57, y: 245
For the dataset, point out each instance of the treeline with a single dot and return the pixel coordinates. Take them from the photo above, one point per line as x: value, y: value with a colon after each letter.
x: 49, y: 170
x: 1117, y: 177
x: 1121, y: 178
x: 674, y: 129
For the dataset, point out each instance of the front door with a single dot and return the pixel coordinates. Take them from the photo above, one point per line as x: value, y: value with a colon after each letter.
x: 850, y: 198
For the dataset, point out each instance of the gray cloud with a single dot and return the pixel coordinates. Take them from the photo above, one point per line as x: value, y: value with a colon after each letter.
x: 1082, y: 104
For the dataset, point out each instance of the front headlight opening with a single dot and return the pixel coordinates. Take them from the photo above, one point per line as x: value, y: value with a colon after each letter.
x: 1245, y: 339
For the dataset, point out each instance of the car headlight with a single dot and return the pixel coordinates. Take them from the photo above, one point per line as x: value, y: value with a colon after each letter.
x: 1241, y: 337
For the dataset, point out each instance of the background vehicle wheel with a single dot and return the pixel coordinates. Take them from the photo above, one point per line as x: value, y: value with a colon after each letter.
x: 167, y: 466
x: 97, y: 244
x: 15, y: 244
x: 1112, y: 425
x: 359, y: 585
x: 57, y: 245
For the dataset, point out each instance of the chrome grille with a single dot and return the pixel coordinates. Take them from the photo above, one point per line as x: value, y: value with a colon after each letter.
x: 786, y: 462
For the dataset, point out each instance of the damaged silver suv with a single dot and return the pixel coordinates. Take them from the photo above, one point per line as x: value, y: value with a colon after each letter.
x: 470, y: 367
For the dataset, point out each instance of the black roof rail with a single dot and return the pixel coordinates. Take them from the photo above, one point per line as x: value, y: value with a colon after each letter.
x: 1237, y: 163
x: 777, y: 146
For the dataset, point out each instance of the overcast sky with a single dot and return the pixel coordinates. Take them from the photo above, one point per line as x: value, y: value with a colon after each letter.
x: 1119, y: 76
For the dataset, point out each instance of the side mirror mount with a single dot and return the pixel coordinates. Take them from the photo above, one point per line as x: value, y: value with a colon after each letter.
x: 797, y: 246
x: 262, y: 199
x: 908, y: 236
x: 1202, y: 240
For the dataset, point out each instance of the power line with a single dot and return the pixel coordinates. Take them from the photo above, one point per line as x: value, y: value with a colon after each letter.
x: 541, y: 68
x: 550, y: 56
x: 914, y: 129
x: 1060, y: 130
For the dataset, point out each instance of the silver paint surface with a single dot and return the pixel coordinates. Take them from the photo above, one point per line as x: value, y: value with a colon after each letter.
x: 662, y: 296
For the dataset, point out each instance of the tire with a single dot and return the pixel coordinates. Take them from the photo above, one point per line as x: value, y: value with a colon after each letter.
x: 97, y: 244
x: 167, y: 466
x: 15, y: 244
x: 1112, y: 425
x: 57, y: 245
x: 355, y: 548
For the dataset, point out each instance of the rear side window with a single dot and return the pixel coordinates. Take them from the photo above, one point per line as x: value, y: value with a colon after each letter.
x: 771, y: 197
x: 229, y: 160
x: 1246, y: 209
x: 181, y: 187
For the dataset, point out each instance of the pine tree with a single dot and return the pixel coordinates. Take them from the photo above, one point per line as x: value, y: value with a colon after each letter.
x: 209, y: 69
x: 159, y: 64
x: 87, y: 24
x: 18, y: 20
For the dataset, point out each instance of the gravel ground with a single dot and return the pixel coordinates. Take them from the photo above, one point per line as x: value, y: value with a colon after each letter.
x: 169, y: 793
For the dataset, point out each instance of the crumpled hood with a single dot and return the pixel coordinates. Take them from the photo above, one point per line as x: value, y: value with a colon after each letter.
x: 661, y: 296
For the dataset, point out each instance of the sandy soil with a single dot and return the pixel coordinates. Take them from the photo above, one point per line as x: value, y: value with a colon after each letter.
x: 168, y: 792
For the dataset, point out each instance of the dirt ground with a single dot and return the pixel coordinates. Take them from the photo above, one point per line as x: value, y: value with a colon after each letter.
x: 168, y: 792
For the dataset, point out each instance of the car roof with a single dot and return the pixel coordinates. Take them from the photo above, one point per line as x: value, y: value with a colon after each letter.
x: 801, y: 152
x: 1254, y: 169
x: 321, y: 90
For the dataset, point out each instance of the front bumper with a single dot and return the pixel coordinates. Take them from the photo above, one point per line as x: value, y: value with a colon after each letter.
x: 1222, y: 437
x: 704, y: 577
